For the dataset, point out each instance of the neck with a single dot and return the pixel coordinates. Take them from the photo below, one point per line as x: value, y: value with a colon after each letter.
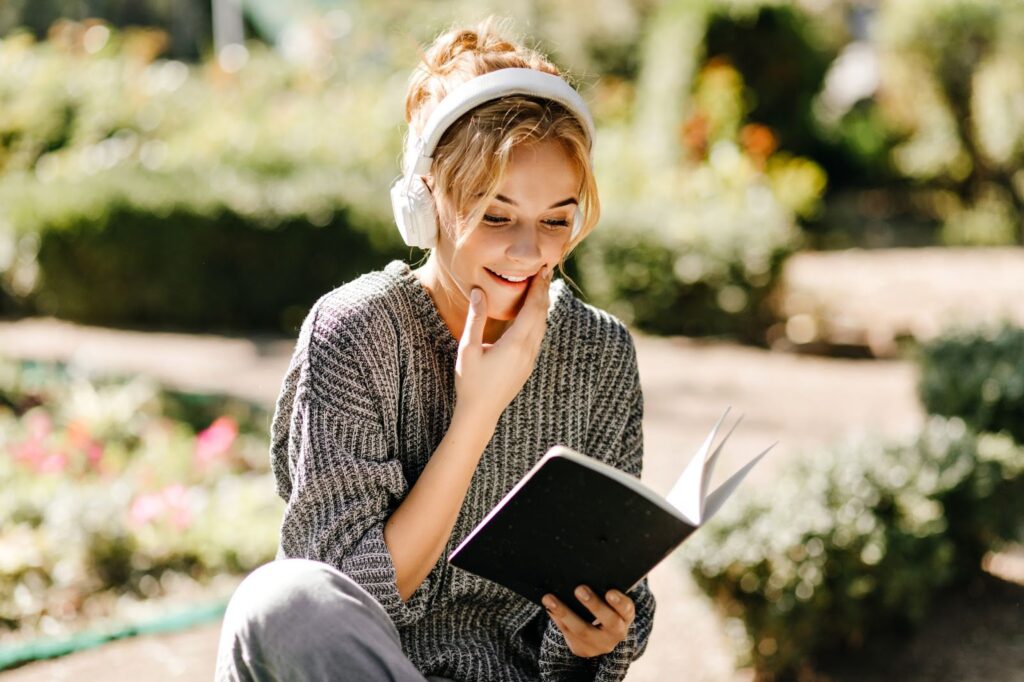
x: 451, y: 304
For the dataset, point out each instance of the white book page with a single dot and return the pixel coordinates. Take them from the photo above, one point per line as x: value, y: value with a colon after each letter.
x: 685, y: 494
x: 722, y: 492
x: 709, y: 467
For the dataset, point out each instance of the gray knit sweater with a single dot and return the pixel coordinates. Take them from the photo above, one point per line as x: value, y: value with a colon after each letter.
x: 366, y: 400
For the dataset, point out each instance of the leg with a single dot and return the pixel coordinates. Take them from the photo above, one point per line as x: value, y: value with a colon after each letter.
x: 296, y: 619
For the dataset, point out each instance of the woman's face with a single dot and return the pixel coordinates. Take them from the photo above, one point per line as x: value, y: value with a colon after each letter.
x: 525, y: 227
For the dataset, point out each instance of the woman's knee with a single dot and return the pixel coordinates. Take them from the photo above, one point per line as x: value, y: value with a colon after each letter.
x: 278, y: 591
x: 296, y: 613
x: 278, y: 594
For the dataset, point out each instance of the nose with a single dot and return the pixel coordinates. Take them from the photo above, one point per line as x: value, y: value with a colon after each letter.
x: 525, y: 244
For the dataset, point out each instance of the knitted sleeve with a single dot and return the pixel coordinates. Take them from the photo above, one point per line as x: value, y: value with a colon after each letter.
x: 615, y: 435
x: 333, y: 468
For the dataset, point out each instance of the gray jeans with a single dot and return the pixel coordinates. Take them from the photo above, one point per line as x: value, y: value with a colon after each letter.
x: 297, y: 619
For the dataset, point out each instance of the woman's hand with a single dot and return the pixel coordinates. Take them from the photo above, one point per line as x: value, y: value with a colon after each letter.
x: 489, y: 375
x: 584, y: 639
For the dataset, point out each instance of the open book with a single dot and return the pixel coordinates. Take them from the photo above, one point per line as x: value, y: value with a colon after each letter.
x: 574, y: 520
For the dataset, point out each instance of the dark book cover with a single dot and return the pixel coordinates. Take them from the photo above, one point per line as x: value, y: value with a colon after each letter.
x: 569, y: 524
x: 574, y: 520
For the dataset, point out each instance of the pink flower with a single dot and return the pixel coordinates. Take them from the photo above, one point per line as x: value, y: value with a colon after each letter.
x: 53, y: 463
x: 214, y: 441
x: 169, y: 504
x: 145, y: 508
x: 94, y: 453
x: 34, y: 452
x: 176, y: 501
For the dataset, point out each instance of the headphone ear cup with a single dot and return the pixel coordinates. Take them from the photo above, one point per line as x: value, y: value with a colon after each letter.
x: 414, y: 212
x: 577, y: 223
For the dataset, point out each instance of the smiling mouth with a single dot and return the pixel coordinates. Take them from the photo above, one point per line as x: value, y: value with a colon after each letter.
x: 508, y: 283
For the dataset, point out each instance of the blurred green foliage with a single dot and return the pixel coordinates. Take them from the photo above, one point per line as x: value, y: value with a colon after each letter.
x: 855, y: 545
x: 153, y: 193
x: 952, y: 87
x: 977, y: 375
x: 188, y: 21
x: 698, y: 244
x: 718, y: 128
x: 880, y: 529
x: 144, y: 191
x: 113, y: 487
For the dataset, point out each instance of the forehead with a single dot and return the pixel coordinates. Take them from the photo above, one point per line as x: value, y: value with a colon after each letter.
x: 540, y: 171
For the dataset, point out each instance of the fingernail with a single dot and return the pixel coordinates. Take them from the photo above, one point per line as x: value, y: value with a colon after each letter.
x: 583, y: 593
x: 474, y: 296
x: 613, y: 598
x: 549, y: 602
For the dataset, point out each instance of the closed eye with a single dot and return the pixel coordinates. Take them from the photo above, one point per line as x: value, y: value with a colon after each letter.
x: 498, y: 220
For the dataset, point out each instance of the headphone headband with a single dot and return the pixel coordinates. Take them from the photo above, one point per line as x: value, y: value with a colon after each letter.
x: 490, y: 86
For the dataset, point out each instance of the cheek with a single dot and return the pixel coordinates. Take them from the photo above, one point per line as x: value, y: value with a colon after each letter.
x: 554, y: 247
x: 485, y: 248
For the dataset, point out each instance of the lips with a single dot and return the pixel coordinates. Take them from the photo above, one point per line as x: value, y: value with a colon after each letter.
x: 505, y: 282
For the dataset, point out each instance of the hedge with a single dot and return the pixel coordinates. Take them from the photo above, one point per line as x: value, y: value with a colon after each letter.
x: 977, y: 375
x: 225, y: 252
x: 858, y: 543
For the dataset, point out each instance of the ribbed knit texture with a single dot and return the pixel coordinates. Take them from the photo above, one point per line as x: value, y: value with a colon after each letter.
x: 368, y: 397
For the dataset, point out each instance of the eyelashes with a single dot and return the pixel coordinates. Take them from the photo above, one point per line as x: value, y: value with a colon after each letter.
x: 497, y: 221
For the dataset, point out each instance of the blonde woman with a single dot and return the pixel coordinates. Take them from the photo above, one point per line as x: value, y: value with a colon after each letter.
x: 416, y: 399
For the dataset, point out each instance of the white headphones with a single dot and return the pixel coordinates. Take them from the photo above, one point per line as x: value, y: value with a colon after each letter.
x: 411, y: 200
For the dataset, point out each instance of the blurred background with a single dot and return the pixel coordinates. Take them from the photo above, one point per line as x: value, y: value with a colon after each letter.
x: 812, y: 210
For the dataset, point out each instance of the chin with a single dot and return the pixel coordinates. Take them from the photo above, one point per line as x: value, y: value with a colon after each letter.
x: 505, y: 313
x: 504, y: 317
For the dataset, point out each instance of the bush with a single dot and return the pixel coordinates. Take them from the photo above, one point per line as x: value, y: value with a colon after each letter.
x: 697, y: 247
x: 111, y: 492
x: 978, y: 376
x: 682, y: 287
x: 857, y: 543
x: 144, y: 191
x: 224, y: 252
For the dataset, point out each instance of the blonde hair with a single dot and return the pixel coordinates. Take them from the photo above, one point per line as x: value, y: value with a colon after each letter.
x: 473, y: 154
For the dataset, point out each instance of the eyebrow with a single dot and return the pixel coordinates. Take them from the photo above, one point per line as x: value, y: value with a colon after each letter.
x: 563, y: 202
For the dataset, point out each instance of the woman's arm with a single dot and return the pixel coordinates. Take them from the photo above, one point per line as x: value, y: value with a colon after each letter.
x: 488, y: 377
x: 418, y: 530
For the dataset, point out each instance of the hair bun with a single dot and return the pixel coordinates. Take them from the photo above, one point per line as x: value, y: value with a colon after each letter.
x: 445, y: 54
x: 460, y: 54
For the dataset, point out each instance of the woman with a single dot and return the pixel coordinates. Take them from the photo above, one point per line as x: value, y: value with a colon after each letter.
x: 416, y: 399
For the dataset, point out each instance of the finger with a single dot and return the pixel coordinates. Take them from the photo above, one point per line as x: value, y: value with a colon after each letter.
x: 622, y: 604
x: 532, y: 317
x: 584, y: 639
x: 608, y: 617
x: 571, y: 638
x: 540, y: 288
x: 476, y: 318
x: 565, y: 617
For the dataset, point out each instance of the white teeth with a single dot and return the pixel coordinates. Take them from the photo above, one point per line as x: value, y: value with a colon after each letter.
x: 511, y: 279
